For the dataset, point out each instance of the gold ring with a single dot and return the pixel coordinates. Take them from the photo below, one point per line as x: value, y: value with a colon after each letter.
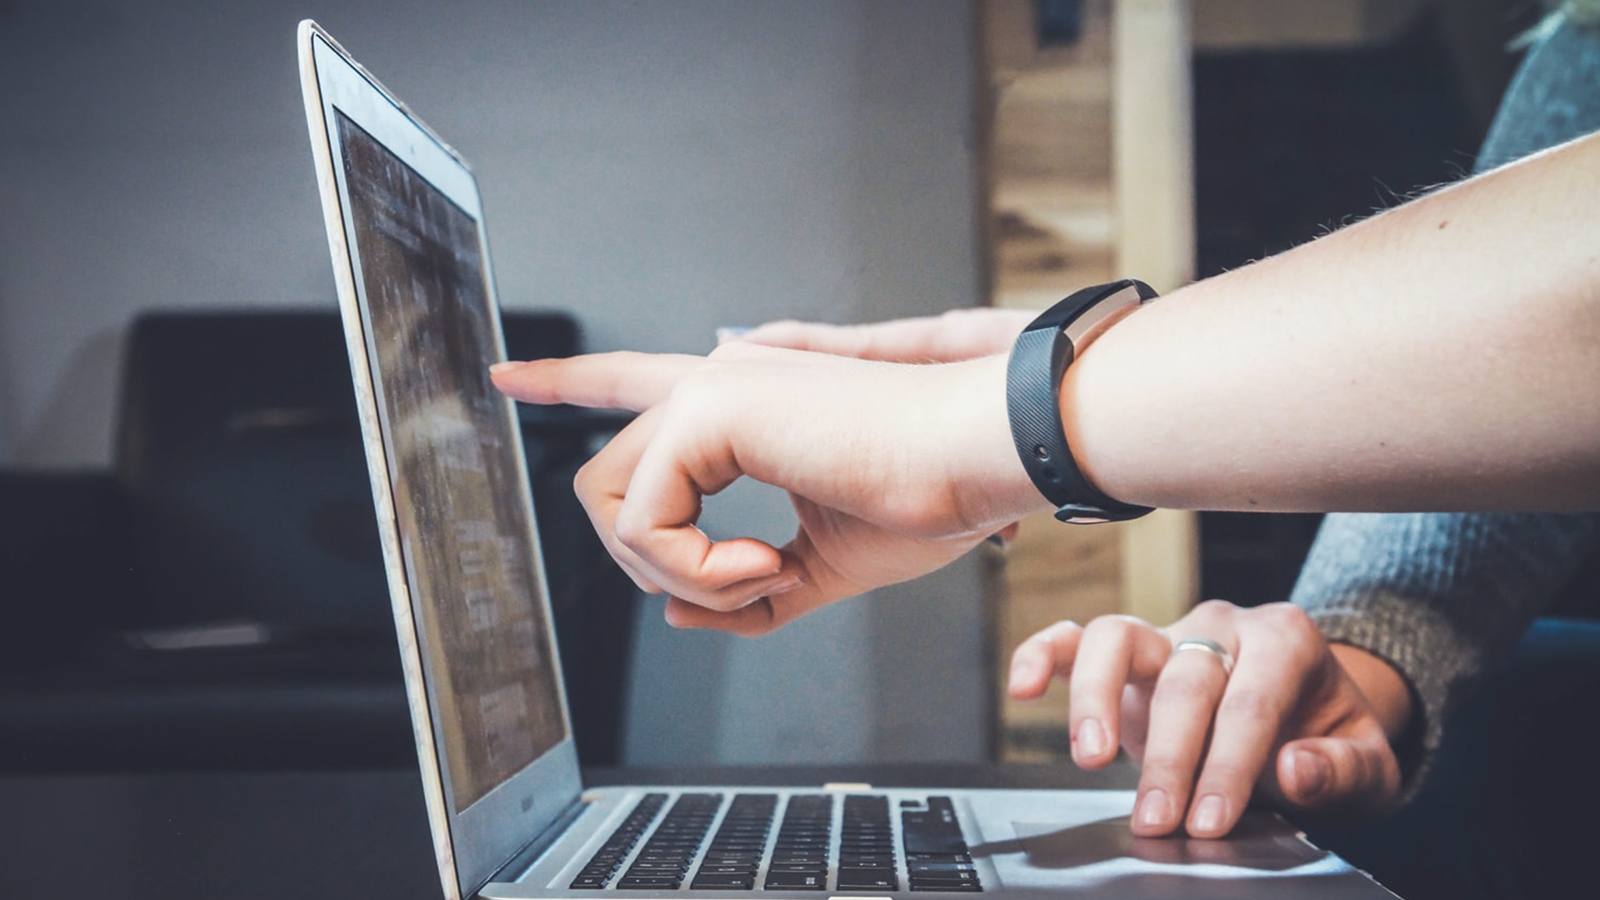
x: 1209, y: 646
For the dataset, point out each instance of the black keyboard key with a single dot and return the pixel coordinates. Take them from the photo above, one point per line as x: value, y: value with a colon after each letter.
x: 728, y: 870
x: 734, y: 854
x: 598, y: 871
x: 882, y: 879
x: 809, y: 881
x: 945, y: 885
x: 935, y: 831
x: 711, y: 881
x: 817, y: 866
x: 665, y: 857
x: 648, y: 881
x: 938, y: 868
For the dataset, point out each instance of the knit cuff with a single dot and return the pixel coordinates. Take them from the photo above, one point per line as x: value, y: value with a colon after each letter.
x: 1388, y: 627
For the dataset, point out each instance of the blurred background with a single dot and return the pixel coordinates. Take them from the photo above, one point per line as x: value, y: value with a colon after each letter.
x: 652, y: 171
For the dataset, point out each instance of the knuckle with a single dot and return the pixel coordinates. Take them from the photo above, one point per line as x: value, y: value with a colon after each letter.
x: 1163, y: 770
x: 1293, y: 632
x: 1066, y: 628
x: 631, y: 531
x: 584, y: 481
x: 1116, y: 626
x: 1227, y: 777
x: 1250, y: 705
x: 1288, y: 620
x: 731, y: 350
x: 1210, y: 617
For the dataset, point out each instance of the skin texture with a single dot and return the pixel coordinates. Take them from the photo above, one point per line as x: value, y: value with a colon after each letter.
x: 1306, y: 724
x: 1443, y: 355
x: 1400, y: 364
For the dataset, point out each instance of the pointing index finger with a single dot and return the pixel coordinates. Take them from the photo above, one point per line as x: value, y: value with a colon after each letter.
x: 620, y: 380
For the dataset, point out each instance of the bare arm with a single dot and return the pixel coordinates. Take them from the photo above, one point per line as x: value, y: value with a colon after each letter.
x: 1442, y: 355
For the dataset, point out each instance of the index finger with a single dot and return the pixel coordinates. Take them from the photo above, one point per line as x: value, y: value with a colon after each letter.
x: 619, y: 380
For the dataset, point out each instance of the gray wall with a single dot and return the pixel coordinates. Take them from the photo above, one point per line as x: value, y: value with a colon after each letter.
x: 660, y: 168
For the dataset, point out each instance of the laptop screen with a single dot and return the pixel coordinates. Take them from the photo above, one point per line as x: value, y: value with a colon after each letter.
x: 450, y: 438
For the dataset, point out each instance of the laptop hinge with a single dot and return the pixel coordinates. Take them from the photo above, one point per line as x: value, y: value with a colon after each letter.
x: 523, y: 860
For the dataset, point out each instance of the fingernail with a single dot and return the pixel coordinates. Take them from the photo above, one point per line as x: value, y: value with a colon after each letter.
x: 1310, y: 771
x: 731, y: 333
x: 1090, y: 740
x: 1023, y: 669
x: 1155, y: 809
x: 1208, y: 813
x: 784, y: 585
x: 508, y: 364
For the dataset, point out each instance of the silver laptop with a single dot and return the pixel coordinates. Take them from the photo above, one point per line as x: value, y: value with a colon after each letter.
x: 509, y: 815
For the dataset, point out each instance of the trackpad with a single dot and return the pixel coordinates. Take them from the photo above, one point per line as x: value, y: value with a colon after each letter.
x: 1259, y: 842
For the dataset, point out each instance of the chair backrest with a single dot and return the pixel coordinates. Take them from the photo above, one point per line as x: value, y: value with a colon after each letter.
x: 239, y: 454
x: 238, y: 447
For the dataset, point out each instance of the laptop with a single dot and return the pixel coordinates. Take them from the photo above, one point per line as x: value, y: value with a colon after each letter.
x: 509, y: 814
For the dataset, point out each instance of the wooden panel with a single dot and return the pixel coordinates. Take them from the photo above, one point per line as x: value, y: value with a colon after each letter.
x: 1089, y: 178
x: 1153, y: 191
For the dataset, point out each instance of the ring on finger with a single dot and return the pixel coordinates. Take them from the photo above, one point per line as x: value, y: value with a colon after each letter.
x: 1206, y: 645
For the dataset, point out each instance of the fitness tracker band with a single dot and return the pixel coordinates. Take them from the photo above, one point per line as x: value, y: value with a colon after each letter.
x: 1033, y: 381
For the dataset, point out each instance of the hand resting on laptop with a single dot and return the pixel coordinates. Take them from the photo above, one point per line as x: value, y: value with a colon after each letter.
x: 1307, y: 724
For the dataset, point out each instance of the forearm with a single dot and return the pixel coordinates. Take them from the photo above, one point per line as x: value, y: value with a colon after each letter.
x: 1442, y: 355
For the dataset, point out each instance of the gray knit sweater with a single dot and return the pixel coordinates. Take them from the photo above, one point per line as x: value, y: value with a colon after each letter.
x: 1444, y: 597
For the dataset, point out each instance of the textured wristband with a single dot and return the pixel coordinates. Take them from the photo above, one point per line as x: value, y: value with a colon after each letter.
x: 1033, y: 381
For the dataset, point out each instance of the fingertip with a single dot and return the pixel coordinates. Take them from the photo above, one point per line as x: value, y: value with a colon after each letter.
x: 1211, y: 817
x: 729, y: 562
x: 679, y: 613
x: 753, y: 620
x: 1304, y: 775
x: 517, y: 380
x: 1028, y: 676
x: 1090, y: 742
x: 1153, y: 814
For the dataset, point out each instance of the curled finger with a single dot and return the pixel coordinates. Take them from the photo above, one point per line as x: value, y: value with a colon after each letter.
x: 1114, y: 653
x: 1049, y: 653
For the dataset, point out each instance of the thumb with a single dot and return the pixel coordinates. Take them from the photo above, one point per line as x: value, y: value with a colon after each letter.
x: 1339, y: 773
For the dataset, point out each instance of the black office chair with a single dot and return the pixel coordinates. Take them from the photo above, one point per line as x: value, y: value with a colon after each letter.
x: 219, y: 600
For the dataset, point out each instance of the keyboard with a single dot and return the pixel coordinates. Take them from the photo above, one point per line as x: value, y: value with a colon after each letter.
x: 810, y: 842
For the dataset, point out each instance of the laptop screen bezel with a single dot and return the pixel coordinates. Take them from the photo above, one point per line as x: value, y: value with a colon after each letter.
x: 472, y: 844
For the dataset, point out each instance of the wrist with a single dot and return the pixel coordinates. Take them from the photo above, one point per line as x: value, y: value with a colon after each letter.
x: 1382, y: 684
x: 990, y: 486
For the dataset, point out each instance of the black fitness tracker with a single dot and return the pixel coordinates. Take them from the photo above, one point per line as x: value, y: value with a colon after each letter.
x: 1033, y: 380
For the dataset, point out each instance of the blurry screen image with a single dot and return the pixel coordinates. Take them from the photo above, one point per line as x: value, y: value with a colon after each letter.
x: 454, y: 470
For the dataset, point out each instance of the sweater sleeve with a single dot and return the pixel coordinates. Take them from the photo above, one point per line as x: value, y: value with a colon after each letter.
x: 1441, y: 596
